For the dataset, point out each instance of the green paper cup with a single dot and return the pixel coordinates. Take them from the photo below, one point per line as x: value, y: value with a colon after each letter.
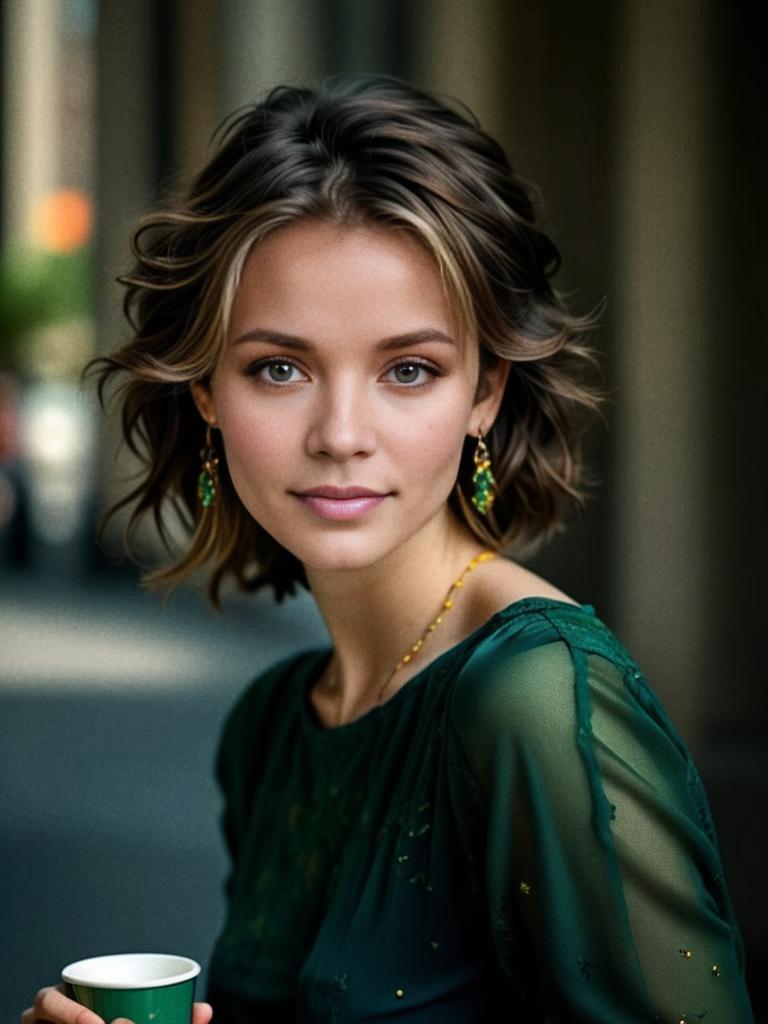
x: 147, y: 988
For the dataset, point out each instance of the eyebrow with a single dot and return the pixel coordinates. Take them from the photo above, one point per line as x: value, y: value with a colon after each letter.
x: 396, y: 342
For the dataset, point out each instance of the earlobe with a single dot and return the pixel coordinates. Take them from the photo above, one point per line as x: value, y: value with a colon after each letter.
x: 203, y: 399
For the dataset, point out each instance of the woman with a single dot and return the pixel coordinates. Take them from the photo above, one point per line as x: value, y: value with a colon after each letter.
x: 471, y: 805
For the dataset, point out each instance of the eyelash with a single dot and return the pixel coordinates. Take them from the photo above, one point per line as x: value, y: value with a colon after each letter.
x: 253, y: 370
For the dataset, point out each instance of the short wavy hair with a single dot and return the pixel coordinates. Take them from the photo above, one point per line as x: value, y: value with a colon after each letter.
x: 360, y: 149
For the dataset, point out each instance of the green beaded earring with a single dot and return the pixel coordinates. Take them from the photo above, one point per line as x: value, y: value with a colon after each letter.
x: 208, y: 479
x: 483, y: 498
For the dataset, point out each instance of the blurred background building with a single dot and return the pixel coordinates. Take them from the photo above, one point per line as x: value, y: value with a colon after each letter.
x: 643, y: 124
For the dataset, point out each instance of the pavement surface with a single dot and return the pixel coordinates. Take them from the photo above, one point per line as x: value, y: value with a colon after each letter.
x: 110, y: 711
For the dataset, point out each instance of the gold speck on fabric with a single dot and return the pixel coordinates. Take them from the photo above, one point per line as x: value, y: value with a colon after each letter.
x: 460, y: 785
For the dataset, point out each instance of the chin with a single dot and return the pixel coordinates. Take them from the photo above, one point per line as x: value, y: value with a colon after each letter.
x: 339, y: 552
x: 339, y: 557
x: 337, y: 546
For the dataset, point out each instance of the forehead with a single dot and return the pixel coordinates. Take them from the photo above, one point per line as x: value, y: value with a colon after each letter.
x: 321, y: 275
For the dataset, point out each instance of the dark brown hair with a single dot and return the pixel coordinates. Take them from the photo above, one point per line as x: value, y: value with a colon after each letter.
x: 362, y: 148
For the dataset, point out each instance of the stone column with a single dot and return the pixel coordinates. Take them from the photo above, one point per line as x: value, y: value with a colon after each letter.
x: 664, y: 346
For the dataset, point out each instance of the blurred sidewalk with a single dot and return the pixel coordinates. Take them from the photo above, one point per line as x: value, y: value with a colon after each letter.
x: 110, y: 711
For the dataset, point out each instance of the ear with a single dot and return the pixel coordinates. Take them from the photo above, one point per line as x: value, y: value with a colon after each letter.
x: 484, y: 411
x: 203, y: 399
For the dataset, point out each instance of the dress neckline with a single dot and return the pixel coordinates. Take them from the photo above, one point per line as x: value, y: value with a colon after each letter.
x: 317, y: 658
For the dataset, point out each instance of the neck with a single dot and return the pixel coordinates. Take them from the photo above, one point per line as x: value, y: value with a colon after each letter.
x: 376, y: 613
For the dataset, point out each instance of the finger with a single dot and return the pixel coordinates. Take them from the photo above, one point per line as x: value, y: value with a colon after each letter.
x: 28, y: 1017
x: 202, y: 1013
x: 52, y: 1005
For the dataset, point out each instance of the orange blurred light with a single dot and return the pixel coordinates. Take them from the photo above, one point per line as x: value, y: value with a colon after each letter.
x: 63, y: 220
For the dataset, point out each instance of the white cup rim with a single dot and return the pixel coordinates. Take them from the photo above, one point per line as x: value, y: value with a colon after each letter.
x: 95, y: 971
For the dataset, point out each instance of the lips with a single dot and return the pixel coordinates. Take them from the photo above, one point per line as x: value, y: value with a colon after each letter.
x: 341, y: 493
x: 341, y: 502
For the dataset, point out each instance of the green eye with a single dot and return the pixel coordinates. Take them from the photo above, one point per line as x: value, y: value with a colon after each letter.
x: 411, y: 369
x: 280, y: 371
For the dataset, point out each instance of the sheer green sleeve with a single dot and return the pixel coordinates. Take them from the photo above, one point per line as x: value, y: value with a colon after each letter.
x: 599, y: 847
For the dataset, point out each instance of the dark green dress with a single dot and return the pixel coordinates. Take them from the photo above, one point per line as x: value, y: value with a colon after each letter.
x: 518, y: 834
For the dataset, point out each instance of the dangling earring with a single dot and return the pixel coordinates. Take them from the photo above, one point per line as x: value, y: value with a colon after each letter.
x: 208, y: 479
x: 483, y: 498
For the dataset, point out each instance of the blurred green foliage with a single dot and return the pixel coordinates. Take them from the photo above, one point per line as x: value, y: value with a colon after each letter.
x: 38, y: 288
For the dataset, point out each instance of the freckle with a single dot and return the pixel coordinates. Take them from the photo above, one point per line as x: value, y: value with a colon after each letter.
x: 525, y: 889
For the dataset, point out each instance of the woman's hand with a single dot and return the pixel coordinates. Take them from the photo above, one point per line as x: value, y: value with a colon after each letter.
x: 52, y: 1005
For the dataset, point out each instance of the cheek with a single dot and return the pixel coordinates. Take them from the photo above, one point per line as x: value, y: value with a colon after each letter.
x: 256, y: 450
x: 430, y: 450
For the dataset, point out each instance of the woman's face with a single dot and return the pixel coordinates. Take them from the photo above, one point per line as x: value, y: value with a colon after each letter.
x: 312, y: 390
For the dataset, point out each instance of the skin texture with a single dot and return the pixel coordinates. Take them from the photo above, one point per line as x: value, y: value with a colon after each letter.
x: 347, y: 413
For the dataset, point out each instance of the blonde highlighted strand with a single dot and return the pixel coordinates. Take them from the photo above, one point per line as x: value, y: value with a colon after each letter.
x: 361, y: 149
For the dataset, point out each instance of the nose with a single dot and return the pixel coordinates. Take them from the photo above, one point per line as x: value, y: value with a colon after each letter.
x: 341, y: 423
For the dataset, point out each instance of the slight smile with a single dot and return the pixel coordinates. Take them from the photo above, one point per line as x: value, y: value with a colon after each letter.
x: 340, y: 502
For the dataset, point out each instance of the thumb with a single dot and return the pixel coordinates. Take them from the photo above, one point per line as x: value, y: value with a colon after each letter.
x: 202, y: 1013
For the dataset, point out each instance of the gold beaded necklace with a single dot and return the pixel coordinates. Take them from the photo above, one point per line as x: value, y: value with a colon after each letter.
x: 484, y: 556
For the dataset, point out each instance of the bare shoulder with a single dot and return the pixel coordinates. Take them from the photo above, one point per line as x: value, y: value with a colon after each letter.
x: 505, y: 581
x: 489, y: 590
